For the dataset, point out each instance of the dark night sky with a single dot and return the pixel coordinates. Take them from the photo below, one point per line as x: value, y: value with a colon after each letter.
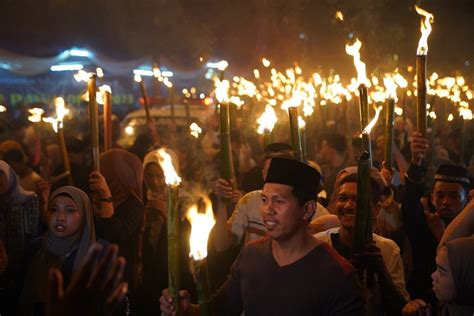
x: 242, y: 31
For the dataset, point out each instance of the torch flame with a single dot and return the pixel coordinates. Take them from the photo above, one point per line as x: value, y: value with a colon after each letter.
x: 301, y: 123
x: 61, y: 112
x: 166, y: 163
x: 222, y: 88
x: 465, y: 113
x: 82, y: 76
x: 267, y: 120
x: 100, y: 95
x: 265, y: 62
x: 36, y: 114
x: 105, y: 88
x: 201, y: 226
x: 353, y: 50
x: 99, y: 72
x: 372, y: 123
x: 137, y: 78
x: 195, y: 129
x: 425, y: 29
x: 222, y: 65
x: 391, y: 87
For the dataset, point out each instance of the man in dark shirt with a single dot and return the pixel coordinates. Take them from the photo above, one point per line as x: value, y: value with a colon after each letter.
x: 289, y: 272
x: 425, y: 226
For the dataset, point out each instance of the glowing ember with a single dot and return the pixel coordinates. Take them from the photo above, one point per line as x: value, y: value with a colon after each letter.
x: 201, y: 226
x: 36, y: 115
x: 195, y: 130
x: 372, y: 123
x: 339, y: 16
x: 267, y: 120
x: 354, y: 51
x: 166, y: 163
x: 425, y: 31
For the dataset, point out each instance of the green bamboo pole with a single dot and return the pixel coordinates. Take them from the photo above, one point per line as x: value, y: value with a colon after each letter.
x: 227, y: 164
x: 363, y: 218
x: 94, y: 122
x: 303, y: 143
x: 463, y: 139
x: 174, y: 246
x: 295, y: 132
x: 350, y: 147
x: 421, y: 94
x: 364, y: 118
x: 203, y: 288
x: 267, y: 138
x: 62, y: 146
x: 389, y: 117
x: 363, y: 106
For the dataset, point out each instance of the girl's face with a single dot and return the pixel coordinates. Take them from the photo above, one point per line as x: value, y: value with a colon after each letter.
x: 3, y: 183
x: 64, y: 218
x: 155, y: 178
x: 443, y: 283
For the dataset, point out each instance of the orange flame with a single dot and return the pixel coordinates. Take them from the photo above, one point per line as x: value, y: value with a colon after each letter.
x: 425, y: 29
x: 267, y: 120
x: 61, y: 111
x: 36, y: 114
x: 339, y: 16
x: 201, y: 226
x: 372, y: 123
x: 354, y: 51
x: 222, y: 88
x: 391, y: 86
x: 171, y: 176
x: 195, y: 130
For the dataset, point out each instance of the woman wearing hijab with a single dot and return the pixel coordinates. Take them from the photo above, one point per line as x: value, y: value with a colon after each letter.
x: 453, y: 281
x: 70, y: 234
x: 155, y: 258
x: 117, y: 193
x: 19, y: 225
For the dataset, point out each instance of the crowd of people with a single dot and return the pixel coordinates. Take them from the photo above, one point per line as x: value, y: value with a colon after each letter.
x: 283, y: 242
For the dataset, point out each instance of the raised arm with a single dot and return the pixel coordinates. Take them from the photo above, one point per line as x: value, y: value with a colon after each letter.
x: 461, y: 226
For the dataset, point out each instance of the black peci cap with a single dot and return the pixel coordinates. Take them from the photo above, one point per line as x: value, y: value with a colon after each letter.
x: 452, y: 173
x: 293, y: 173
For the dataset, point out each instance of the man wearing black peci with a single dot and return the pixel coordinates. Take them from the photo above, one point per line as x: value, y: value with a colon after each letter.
x: 289, y: 272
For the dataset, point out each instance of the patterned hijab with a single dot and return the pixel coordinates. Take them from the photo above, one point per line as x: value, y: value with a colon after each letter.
x: 123, y: 172
x: 15, y: 194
